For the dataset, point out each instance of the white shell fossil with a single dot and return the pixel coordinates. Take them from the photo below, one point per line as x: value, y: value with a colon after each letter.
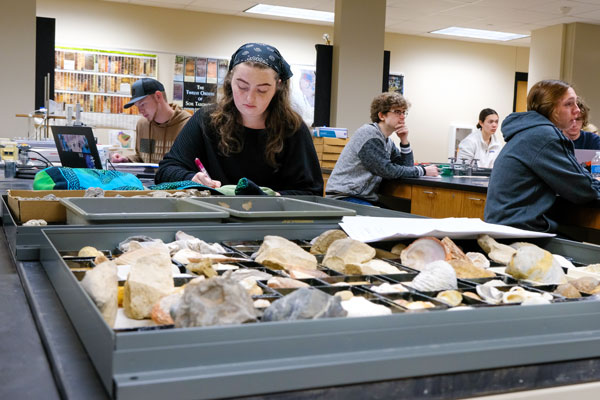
x: 450, y: 297
x: 435, y: 276
x: 478, y: 259
x: 497, y: 252
x: 422, y: 252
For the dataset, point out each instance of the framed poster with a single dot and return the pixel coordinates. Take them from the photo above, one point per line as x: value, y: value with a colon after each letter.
x: 396, y: 83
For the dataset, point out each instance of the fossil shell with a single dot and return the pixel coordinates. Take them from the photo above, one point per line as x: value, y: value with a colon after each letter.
x: 397, y: 249
x: 358, y: 306
x: 489, y: 294
x: 535, y: 264
x: 279, y: 253
x: 438, y: 275
x: 593, y: 268
x: 378, y: 267
x: 422, y: 252
x: 450, y: 297
x: 345, y: 295
x: 478, y: 259
x: 389, y: 288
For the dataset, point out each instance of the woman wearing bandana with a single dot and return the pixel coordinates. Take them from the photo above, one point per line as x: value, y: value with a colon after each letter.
x: 251, y: 133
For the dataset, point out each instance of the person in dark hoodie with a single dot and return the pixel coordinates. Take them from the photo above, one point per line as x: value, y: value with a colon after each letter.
x: 538, y: 162
x: 156, y: 132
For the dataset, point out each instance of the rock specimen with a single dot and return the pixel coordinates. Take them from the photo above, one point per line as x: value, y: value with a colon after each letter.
x: 567, y: 290
x: 35, y: 222
x: 389, y: 288
x: 324, y: 240
x: 183, y: 256
x: 304, y: 303
x: 303, y: 273
x: 478, y: 259
x: 161, y: 311
x: 422, y: 252
x: 375, y: 267
x: 497, y: 252
x: 358, y: 306
x: 435, y: 276
x: 279, y: 253
x: 586, y: 284
x: 397, y: 249
x: 131, y: 257
x: 101, y: 284
x: 279, y: 282
x: 216, y: 301
x: 463, y: 265
x: 124, y: 245
x: 535, y: 264
x: 345, y: 252
x: 150, y: 279
x: 89, y: 251
x: 185, y: 241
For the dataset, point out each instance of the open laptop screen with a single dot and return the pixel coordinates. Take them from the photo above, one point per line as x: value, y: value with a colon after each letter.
x: 76, y: 147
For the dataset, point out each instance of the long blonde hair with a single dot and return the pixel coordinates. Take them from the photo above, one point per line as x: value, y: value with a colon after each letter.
x: 281, y: 120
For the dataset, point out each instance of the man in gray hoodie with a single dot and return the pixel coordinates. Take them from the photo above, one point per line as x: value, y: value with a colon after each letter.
x: 370, y: 155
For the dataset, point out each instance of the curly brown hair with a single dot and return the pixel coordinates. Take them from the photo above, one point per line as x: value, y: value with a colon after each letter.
x: 385, y: 102
x: 281, y: 120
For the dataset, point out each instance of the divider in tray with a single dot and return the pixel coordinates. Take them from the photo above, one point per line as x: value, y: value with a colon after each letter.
x: 405, y: 300
x: 362, y: 292
x: 249, y: 247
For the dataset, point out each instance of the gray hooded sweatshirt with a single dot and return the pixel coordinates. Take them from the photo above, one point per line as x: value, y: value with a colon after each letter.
x: 536, y: 164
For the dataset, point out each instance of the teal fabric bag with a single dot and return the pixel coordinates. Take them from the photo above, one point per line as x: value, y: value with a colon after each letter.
x: 64, y: 178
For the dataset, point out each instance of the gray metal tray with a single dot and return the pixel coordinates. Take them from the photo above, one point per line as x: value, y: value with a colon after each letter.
x: 261, y: 208
x: 233, y: 361
x: 24, y: 241
x: 111, y: 210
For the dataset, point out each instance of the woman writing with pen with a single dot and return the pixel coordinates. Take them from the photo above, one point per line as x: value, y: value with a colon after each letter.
x: 251, y: 133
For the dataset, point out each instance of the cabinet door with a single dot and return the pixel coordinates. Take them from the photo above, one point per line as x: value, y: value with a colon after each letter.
x: 473, y: 205
x: 435, y: 202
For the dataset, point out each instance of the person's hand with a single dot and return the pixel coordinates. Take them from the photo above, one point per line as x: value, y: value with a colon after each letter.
x: 118, y: 158
x: 402, y: 132
x: 431, y: 170
x: 203, y: 179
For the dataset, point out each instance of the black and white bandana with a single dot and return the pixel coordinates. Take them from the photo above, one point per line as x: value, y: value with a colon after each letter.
x: 264, y: 54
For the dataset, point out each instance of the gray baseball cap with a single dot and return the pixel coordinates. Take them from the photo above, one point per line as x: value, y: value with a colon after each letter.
x: 142, y: 88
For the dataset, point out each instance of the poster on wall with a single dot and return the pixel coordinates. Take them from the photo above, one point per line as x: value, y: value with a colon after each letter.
x: 190, y: 69
x: 196, y: 94
x: 302, y: 91
x: 396, y: 83
x: 178, y: 70
x: 196, y: 81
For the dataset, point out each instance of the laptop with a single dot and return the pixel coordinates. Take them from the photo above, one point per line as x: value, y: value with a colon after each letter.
x: 76, y: 146
x: 584, y: 155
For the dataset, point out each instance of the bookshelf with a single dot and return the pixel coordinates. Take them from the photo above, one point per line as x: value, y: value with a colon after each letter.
x: 100, y: 80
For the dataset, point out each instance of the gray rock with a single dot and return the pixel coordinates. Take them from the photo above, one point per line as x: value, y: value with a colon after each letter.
x: 304, y: 303
x: 214, y: 301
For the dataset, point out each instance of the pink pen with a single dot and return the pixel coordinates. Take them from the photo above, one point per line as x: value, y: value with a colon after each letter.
x: 201, y: 167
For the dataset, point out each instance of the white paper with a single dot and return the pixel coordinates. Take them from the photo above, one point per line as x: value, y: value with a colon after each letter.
x: 372, y: 229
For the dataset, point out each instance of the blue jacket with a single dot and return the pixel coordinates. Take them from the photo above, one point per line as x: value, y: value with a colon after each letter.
x: 536, y: 164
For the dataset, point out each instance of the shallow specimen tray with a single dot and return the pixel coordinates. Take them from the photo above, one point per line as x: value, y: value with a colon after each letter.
x: 271, y: 357
x: 105, y: 210
x: 260, y: 208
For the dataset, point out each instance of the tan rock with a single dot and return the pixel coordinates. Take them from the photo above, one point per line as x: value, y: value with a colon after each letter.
x: 347, y: 252
x: 497, y: 252
x: 279, y: 253
x: 324, y: 240
x: 285, y: 283
x: 131, y: 257
x: 101, y: 284
x: 150, y: 279
x: 585, y: 284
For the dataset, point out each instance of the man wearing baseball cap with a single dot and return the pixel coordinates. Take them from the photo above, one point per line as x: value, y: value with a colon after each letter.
x: 156, y: 132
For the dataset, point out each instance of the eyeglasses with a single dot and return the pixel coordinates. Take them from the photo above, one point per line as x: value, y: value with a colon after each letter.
x: 399, y: 112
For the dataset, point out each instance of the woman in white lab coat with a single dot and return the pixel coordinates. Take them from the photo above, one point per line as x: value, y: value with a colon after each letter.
x: 481, y: 144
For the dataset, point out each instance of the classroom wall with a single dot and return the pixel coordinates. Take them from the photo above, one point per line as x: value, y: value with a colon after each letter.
x: 447, y: 81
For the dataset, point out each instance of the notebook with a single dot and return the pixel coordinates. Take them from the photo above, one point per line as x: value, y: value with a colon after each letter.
x: 76, y: 146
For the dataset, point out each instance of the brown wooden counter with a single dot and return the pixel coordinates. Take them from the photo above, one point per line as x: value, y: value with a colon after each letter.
x: 465, y: 197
